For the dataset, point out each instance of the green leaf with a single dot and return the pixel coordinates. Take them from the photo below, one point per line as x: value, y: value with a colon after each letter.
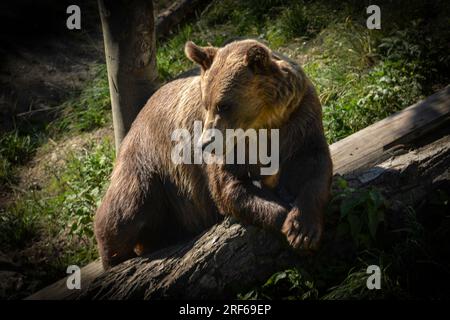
x: 274, y: 279
x: 342, y: 183
x: 373, y: 223
x: 355, y: 226
x: 251, y: 295
x: 348, y: 204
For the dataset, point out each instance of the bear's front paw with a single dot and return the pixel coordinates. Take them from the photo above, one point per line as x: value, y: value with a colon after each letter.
x: 301, y: 232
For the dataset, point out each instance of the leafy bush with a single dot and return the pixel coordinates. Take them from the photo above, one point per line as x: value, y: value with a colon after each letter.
x: 390, y: 87
x: 290, y: 284
x: 426, y: 52
x: 361, y: 213
x: 387, y: 88
x: 83, y: 182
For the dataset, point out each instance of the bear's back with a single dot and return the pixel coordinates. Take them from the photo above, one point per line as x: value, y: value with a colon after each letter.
x: 148, y: 147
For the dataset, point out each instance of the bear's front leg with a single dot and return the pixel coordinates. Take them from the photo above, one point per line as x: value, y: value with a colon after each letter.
x: 239, y: 197
x: 310, y: 183
x: 303, y: 230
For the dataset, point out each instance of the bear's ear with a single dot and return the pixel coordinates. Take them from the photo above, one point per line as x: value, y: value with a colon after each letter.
x: 203, y: 56
x: 257, y: 58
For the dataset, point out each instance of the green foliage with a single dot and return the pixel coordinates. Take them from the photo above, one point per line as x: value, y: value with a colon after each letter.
x: 387, y: 88
x: 17, y: 226
x: 65, y: 206
x: 170, y: 57
x: 354, y: 286
x: 15, y: 149
x: 294, y: 21
x: 426, y: 54
x: 291, y: 284
x: 360, y: 78
x: 413, y: 260
x: 83, y: 183
x: 6, y: 172
x: 361, y: 213
x: 242, y: 15
x: 298, y: 20
x: 272, y: 20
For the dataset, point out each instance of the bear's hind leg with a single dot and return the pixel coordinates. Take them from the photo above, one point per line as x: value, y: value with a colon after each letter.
x: 123, y: 217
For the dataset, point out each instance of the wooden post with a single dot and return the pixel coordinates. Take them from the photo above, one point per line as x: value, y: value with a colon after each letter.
x: 130, y: 49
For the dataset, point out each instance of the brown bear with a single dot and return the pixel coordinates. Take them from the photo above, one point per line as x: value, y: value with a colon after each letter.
x: 153, y: 202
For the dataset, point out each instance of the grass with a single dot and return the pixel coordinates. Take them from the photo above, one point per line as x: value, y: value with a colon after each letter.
x: 83, y: 112
x: 59, y: 216
x: 87, y: 110
x: 15, y: 150
x: 357, y: 84
x: 361, y: 76
x: 67, y: 201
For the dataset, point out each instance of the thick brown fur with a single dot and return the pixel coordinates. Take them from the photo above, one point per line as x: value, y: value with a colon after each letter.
x: 152, y: 202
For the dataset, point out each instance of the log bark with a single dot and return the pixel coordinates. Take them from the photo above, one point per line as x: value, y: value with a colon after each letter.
x: 230, y: 257
x: 178, y: 12
x: 214, y: 265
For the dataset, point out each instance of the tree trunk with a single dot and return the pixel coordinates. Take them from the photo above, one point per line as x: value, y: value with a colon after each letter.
x: 129, y: 37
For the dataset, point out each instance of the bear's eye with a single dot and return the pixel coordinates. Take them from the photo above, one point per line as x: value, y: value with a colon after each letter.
x: 222, y: 107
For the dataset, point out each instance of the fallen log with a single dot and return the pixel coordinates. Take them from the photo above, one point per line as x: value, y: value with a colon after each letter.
x: 231, y: 257
x: 384, y: 138
x: 173, y: 16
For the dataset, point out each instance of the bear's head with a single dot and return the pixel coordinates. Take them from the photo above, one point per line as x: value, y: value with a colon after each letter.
x: 246, y: 85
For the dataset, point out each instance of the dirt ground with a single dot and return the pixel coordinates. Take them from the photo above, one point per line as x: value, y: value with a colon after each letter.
x: 42, y: 61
